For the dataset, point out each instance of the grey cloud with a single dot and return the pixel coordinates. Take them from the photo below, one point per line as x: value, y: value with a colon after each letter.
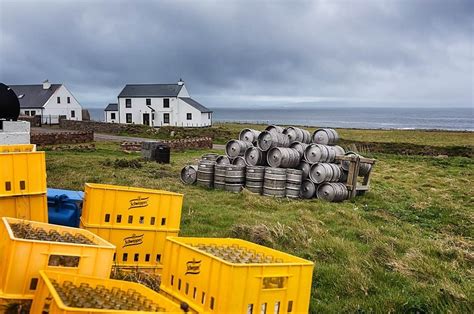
x: 407, y: 50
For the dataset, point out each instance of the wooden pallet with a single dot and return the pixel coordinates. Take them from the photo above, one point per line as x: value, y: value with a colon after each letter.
x: 353, y: 174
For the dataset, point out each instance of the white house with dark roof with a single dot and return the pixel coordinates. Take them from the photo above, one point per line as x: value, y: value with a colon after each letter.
x: 49, y: 101
x: 159, y: 105
x: 111, y: 113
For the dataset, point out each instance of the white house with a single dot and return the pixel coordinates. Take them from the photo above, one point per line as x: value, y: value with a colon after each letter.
x: 49, y: 101
x: 111, y: 113
x: 159, y: 105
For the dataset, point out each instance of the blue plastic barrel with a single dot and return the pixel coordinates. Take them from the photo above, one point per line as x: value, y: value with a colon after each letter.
x: 64, y: 207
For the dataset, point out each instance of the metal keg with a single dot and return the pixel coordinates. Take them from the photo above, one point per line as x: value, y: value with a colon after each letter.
x: 223, y: 160
x: 332, y: 192
x: 339, y: 150
x: 364, y: 168
x: 205, y: 173
x: 249, y: 135
x: 255, y: 173
x: 297, y: 135
x: 254, y: 179
x: 305, y: 167
x: 235, y: 148
x: 300, y: 147
x: 234, y: 178
x: 274, y: 128
x: 274, y: 183
x: 316, y: 153
x: 189, y: 174
x: 325, y: 136
x: 325, y: 172
x: 293, y: 182
x: 254, y: 156
x: 219, y: 176
x: 308, y: 189
x: 267, y: 140
x: 239, y: 161
x: 283, y: 157
x: 294, y: 176
x: 210, y: 156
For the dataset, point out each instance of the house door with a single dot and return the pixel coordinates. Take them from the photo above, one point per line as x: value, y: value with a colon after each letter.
x: 146, y: 119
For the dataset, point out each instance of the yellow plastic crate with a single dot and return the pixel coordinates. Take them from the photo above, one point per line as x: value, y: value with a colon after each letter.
x: 132, y: 208
x: 21, y: 259
x: 22, y: 173
x: 17, y: 148
x: 30, y: 207
x: 135, y: 247
x: 210, y: 284
x: 47, y: 299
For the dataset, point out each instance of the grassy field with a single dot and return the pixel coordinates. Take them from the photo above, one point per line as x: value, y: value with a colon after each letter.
x: 406, y: 246
x: 222, y: 132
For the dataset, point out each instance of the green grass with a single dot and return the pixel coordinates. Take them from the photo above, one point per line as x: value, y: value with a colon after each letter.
x: 405, y: 246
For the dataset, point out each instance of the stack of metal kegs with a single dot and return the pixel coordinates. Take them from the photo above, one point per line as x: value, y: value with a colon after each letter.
x: 280, y: 162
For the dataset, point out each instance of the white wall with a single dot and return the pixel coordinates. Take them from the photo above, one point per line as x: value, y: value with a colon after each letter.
x: 108, y: 116
x: 52, y: 110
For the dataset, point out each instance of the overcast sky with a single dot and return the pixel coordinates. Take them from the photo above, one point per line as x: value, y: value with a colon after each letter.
x: 246, y: 52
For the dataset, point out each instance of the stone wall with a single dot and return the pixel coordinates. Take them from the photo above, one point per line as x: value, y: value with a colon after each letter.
x: 175, y: 145
x: 103, y: 127
x: 55, y: 138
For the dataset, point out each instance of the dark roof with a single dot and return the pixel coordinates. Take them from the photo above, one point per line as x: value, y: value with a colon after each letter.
x: 150, y: 90
x: 34, y: 96
x: 111, y: 107
x: 195, y: 104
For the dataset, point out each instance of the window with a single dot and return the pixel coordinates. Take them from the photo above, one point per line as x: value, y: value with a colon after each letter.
x: 189, y: 116
x: 158, y: 257
x: 290, y: 306
x: 107, y: 217
x: 153, y: 116
x: 124, y: 257
x: 128, y: 116
x: 179, y: 284
x: 136, y: 257
x: 152, y: 220
x: 33, y: 113
x: 112, y: 115
x: 166, y: 118
x: 130, y: 219
x: 166, y: 102
x: 73, y: 114
x: 58, y: 100
x: 128, y: 103
x: 163, y: 221
x: 69, y: 100
x: 27, y: 112
x: 212, y: 303
x: 209, y: 115
x: 119, y: 218
x: 33, y: 283
x: 147, y: 257
x: 148, y: 102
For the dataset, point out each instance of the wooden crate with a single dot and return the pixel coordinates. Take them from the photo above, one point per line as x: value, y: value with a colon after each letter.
x: 352, y: 184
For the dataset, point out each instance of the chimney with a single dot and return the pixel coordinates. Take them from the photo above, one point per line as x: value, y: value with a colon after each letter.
x: 180, y: 82
x: 46, y: 84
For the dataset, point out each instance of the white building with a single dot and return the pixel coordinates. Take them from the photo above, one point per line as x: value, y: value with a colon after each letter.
x: 49, y: 101
x: 111, y: 113
x: 159, y: 105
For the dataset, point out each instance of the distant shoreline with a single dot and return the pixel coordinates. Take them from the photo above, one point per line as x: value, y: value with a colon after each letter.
x: 345, y: 128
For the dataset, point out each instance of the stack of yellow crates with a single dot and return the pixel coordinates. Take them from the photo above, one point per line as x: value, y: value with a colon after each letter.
x: 137, y: 221
x: 23, y: 183
x: 224, y: 275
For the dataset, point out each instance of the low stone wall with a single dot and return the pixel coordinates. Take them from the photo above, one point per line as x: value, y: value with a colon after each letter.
x: 55, y: 138
x: 175, y: 145
x: 103, y: 127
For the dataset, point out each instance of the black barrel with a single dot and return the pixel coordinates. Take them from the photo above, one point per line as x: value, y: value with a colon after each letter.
x: 162, y: 154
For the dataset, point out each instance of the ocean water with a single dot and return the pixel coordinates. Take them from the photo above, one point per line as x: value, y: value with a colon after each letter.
x: 346, y: 117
